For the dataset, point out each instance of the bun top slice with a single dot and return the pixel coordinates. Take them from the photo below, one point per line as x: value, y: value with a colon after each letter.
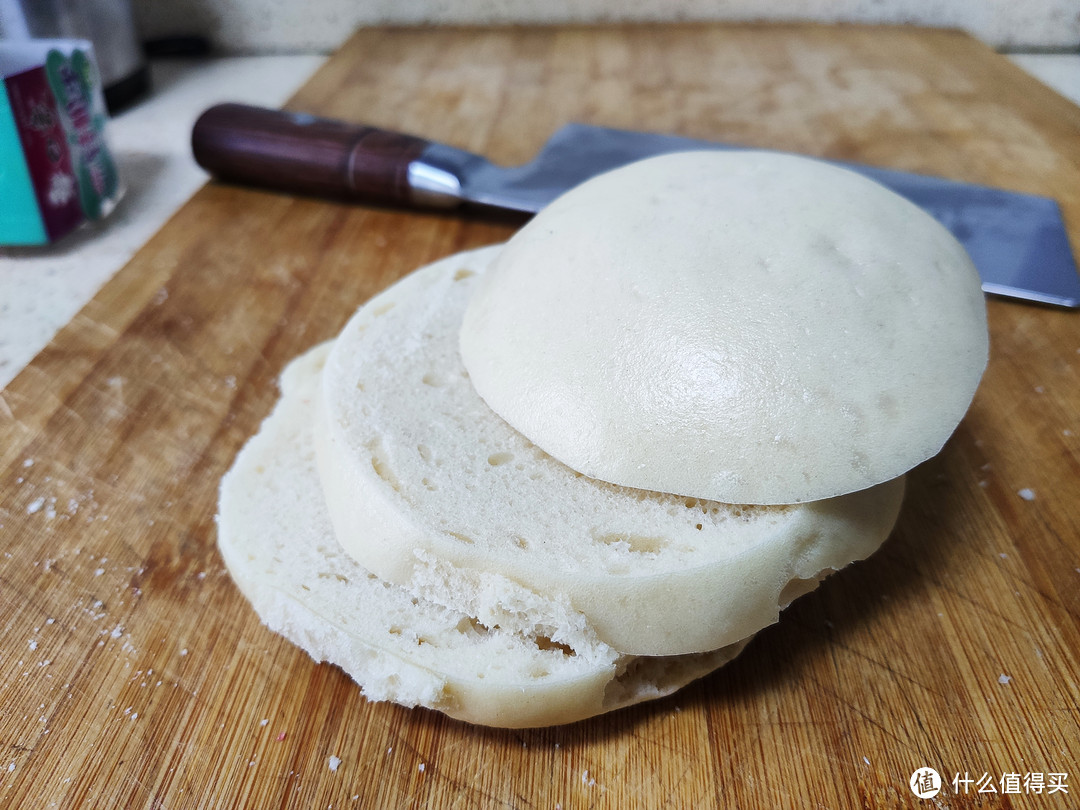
x: 744, y: 327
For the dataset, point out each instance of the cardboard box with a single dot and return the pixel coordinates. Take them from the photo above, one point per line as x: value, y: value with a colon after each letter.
x: 56, y: 171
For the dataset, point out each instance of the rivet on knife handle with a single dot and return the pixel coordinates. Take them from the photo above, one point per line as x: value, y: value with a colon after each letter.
x: 300, y: 153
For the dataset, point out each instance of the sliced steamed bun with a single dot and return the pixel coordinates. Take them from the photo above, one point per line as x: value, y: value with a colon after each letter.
x: 275, y: 537
x: 429, y: 489
x: 552, y: 522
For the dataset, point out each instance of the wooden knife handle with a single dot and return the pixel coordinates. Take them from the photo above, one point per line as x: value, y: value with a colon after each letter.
x: 300, y: 153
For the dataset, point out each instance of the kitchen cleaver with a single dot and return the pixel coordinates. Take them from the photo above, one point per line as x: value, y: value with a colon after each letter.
x: 1017, y: 241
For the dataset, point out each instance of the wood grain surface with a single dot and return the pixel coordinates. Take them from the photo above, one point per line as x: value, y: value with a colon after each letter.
x: 133, y: 673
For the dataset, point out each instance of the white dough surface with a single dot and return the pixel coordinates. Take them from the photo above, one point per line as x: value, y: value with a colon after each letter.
x: 744, y: 327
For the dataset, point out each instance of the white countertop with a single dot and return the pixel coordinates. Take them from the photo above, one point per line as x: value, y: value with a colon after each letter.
x: 42, y: 288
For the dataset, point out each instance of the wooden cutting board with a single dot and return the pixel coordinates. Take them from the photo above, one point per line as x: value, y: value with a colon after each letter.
x: 133, y: 674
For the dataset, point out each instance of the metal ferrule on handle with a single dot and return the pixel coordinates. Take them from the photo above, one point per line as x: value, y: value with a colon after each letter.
x: 431, y: 185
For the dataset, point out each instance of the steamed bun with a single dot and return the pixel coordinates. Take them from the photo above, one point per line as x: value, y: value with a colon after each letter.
x: 745, y: 327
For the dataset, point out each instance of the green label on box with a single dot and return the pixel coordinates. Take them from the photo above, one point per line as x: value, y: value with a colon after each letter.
x: 73, y: 80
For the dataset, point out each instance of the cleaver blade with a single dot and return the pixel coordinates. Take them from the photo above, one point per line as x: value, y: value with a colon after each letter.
x: 1018, y: 242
